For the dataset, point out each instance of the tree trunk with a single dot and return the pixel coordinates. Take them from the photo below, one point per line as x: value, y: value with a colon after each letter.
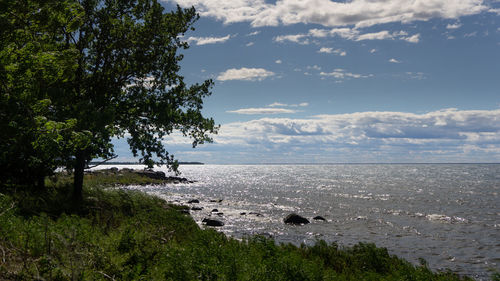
x: 78, y: 176
x: 41, y: 183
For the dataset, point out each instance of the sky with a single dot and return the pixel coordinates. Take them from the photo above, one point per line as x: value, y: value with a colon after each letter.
x: 360, y: 81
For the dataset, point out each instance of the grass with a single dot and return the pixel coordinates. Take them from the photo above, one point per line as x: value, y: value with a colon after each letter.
x: 126, y: 235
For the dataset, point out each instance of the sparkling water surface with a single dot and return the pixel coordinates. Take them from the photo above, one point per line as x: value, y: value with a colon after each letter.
x: 448, y: 214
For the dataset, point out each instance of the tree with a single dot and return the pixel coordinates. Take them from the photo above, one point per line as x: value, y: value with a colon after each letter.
x: 120, y: 78
x: 34, y: 65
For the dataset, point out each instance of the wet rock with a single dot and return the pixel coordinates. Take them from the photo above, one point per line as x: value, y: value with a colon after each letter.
x: 212, y: 222
x: 215, y: 200
x: 220, y: 214
x: 177, y: 180
x: 243, y: 214
x: 319, y: 218
x: 295, y: 219
x: 256, y: 214
x: 215, y: 211
x: 193, y: 201
x: 197, y: 208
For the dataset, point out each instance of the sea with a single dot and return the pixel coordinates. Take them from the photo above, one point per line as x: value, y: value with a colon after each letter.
x: 447, y: 214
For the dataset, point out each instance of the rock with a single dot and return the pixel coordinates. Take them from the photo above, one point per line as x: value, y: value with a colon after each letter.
x: 215, y: 200
x: 319, y: 218
x: 215, y: 211
x: 256, y: 214
x: 220, y: 214
x: 242, y: 214
x: 193, y: 201
x: 295, y: 219
x: 212, y: 222
x: 197, y: 208
x: 178, y: 180
x: 159, y: 175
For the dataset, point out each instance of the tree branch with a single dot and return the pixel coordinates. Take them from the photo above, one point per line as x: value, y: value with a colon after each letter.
x: 100, y: 163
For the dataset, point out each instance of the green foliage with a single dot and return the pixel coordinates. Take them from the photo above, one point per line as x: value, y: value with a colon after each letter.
x: 132, y: 236
x: 75, y: 74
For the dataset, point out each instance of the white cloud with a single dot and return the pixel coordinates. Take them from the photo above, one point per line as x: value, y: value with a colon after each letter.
x: 339, y: 52
x: 340, y: 73
x: 373, y: 51
x: 381, y: 35
x: 383, y: 135
x: 412, y: 39
x: 393, y: 60
x: 297, y: 38
x: 416, y: 75
x: 360, y: 13
x: 253, y: 33
x: 472, y: 34
x: 315, y: 67
x: 248, y: 74
x: 262, y: 110
x: 349, y: 34
x: 496, y: 11
x: 208, y: 40
x: 279, y: 104
x: 454, y: 26
x: 249, y: 44
x: 278, y: 61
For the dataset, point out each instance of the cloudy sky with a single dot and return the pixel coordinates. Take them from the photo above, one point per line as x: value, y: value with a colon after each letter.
x: 321, y: 81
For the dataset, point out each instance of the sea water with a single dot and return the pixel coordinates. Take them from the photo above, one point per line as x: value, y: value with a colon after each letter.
x: 448, y: 214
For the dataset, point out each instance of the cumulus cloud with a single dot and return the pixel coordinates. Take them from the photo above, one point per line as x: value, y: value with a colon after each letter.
x: 353, y: 34
x: 360, y: 13
x: 339, y: 52
x: 278, y: 61
x: 393, y: 60
x: 381, y: 35
x: 297, y: 38
x: 208, y: 40
x: 379, y: 134
x: 247, y: 74
x: 262, y: 110
x: 454, y: 26
x: 412, y: 39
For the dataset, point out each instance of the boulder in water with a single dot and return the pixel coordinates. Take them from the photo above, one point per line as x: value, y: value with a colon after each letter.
x: 295, y: 219
x: 319, y: 218
x: 193, y: 201
x: 212, y: 222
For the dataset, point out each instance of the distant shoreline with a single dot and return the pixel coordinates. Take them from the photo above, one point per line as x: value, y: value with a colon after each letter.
x: 347, y: 163
x: 137, y: 163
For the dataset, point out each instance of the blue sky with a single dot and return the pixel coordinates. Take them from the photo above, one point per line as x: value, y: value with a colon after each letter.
x: 319, y: 81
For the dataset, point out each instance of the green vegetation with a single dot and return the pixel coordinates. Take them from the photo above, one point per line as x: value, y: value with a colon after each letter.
x: 121, y: 235
x: 74, y: 74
